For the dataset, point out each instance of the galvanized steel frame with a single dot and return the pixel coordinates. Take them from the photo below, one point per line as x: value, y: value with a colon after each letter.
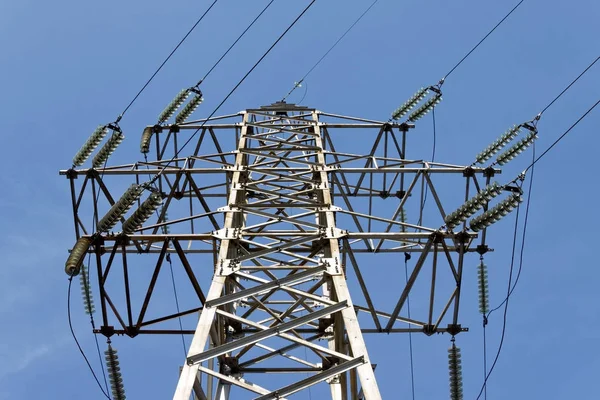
x: 284, y: 173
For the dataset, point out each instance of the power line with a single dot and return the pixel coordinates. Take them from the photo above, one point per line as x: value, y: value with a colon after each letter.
x: 561, y: 137
x: 237, y: 40
x: 297, y: 84
x: 512, y: 263
x: 166, y: 60
x: 410, y: 344
x: 234, y: 89
x: 77, y: 341
x: 511, y: 287
x: 568, y: 87
x: 176, y: 303
x: 481, y: 41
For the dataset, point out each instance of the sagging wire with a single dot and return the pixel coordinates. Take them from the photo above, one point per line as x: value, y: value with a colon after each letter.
x: 157, y: 175
x: 75, y: 337
x: 484, y: 306
x: 166, y: 60
x: 481, y: 41
x: 512, y: 262
x: 168, y: 257
x: 531, y: 126
x: 299, y: 83
x: 511, y: 287
x: 114, y: 372
x: 455, y: 371
x: 428, y: 105
x: 182, y: 96
x: 410, y: 344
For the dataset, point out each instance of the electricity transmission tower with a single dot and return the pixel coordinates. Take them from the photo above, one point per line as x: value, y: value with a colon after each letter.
x: 271, y: 214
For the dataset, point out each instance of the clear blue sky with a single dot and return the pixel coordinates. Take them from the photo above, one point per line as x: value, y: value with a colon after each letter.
x: 68, y: 66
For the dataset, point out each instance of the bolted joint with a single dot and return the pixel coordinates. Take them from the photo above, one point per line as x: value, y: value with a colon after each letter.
x: 489, y: 172
x: 229, y: 366
x: 132, y: 331
x: 454, y: 329
x: 330, y: 361
x: 324, y: 323
x: 71, y: 174
x: 468, y: 172
x: 400, y: 194
x: 438, y: 237
x: 107, y: 330
x: 235, y: 328
x: 429, y: 329
x: 384, y: 194
x: 482, y: 249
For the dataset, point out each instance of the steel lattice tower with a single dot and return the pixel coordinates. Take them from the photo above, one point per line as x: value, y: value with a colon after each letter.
x: 281, y: 222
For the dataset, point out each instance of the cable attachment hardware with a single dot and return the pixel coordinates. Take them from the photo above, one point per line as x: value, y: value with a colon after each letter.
x: 109, y: 147
x: 114, y: 373
x: 190, y: 107
x: 484, y: 293
x: 473, y: 205
x: 120, y: 208
x: 86, y: 291
x: 90, y: 145
x: 75, y: 259
x: 455, y: 368
x: 496, y: 213
x: 518, y: 147
x: 170, y: 109
x: 498, y: 144
x: 410, y: 103
x: 141, y: 215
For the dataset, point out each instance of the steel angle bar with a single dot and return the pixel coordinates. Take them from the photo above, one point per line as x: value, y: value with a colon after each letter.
x: 375, y: 123
x: 294, y: 291
x: 389, y: 221
x: 435, y: 195
x: 267, y: 333
x: 295, y: 177
x: 281, y: 352
x: 288, y: 280
x: 297, y: 140
x: 178, y: 220
x: 190, y: 273
x: 277, y: 195
x: 204, y: 120
x: 276, y: 249
x: 234, y: 381
x: 294, y: 220
x: 449, y: 258
x: 362, y: 283
x: 305, y: 383
x: 446, y: 307
x: 172, y: 316
x: 388, y: 315
x: 303, y: 342
x: 409, y: 284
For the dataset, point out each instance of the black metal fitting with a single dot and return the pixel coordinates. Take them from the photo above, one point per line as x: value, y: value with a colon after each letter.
x: 489, y: 172
x: 71, y: 174
x: 454, y: 329
x: 132, y: 331
x: 429, y: 329
x: 400, y: 194
x: 107, y: 330
x: 482, y: 249
x: 468, y: 172
x: 157, y: 128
